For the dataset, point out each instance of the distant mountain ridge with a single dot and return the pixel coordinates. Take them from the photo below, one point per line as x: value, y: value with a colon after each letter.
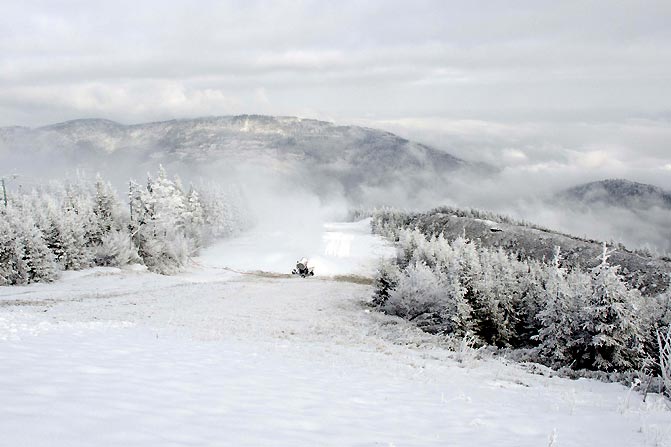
x: 618, y: 193
x: 321, y: 154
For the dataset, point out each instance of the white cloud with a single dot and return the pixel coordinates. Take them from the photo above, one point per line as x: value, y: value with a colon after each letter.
x: 514, y: 156
x: 594, y: 159
x: 384, y: 58
x: 535, y: 86
x: 126, y: 101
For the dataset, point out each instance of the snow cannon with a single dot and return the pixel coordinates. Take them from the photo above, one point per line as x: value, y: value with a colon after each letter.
x: 303, y: 269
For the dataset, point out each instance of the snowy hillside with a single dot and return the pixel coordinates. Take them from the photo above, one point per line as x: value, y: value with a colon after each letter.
x: 324, y: 157
x: 214, y: 357
x: 645, y: 272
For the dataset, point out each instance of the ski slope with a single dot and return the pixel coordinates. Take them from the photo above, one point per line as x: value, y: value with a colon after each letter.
x: 223, y: 355
x: 332, y: 248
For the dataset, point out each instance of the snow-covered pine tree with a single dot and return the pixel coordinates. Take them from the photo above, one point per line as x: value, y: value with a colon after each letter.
x: 470, y: 273
x: 493, y: 305
x: 408, y: 243
x: 78, y: 205
x: 37, y: 263
x: 560, y: 319
x: 193, y: 219
x: 13, y: 266
x: 615, y: 332
x: 157, y: 224
x: 424, y: 251
x: 106, y: 210
x: 532, y: 298
x: 459, y: 312
x: 386, y: 280
x: 73, y: 239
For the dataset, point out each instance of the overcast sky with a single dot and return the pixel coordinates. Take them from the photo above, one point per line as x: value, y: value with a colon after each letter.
x: 543, y: 85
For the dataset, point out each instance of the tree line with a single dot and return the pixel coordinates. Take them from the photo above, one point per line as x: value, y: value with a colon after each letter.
x: 80, y: 223
x: 545, y: 311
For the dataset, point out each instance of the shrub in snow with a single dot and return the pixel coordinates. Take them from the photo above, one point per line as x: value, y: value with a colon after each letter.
x: 466, y: 352
x: 421, y: 295
x: 418, y: 294
x: 163, y: 254
x: 116, y: 249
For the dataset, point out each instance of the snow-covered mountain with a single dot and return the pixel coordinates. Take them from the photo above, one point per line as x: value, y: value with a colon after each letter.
x: 618, y: 193
x: 321, y: 155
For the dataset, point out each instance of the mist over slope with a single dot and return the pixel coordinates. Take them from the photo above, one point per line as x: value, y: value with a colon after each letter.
x: 355, y: 162
x: 618, y: 193
x: 636, y: 214
x: 287, y: 162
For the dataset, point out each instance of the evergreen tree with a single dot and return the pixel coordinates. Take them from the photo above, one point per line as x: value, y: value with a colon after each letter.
x: 493, y: 307
x: 450, y: 268
x: 105, y: 210
x: 13, y: 266
x: 193, y: 219
x: 386, y: 280
x: 37, y: 262
x: 615, y: 334
x: 560, y: 333
x: 531, y: 279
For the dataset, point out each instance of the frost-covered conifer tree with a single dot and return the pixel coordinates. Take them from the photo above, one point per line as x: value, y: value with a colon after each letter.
x: 106, y: 210
x: 449, y: 266
x: 193, y: 218
x: 408, y: 241
x: 560, y: 333
x: 531, y: 279
x: 158, y: 224
x: 614, y: 331
x: 37, y: 262
x: 76, y: 253
x: 493, y: 305
x: 386, y: 280
x: 13, y: 266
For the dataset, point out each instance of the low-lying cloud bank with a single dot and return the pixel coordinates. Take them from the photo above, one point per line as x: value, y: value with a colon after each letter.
x: 538, y: 159
x: 531, y: 162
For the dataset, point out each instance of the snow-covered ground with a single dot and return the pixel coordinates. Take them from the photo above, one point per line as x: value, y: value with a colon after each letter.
x: 213, y: 357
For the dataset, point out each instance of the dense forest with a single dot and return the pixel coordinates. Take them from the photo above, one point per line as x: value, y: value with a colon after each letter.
x: 82, y: 222
x: 548, y: 311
